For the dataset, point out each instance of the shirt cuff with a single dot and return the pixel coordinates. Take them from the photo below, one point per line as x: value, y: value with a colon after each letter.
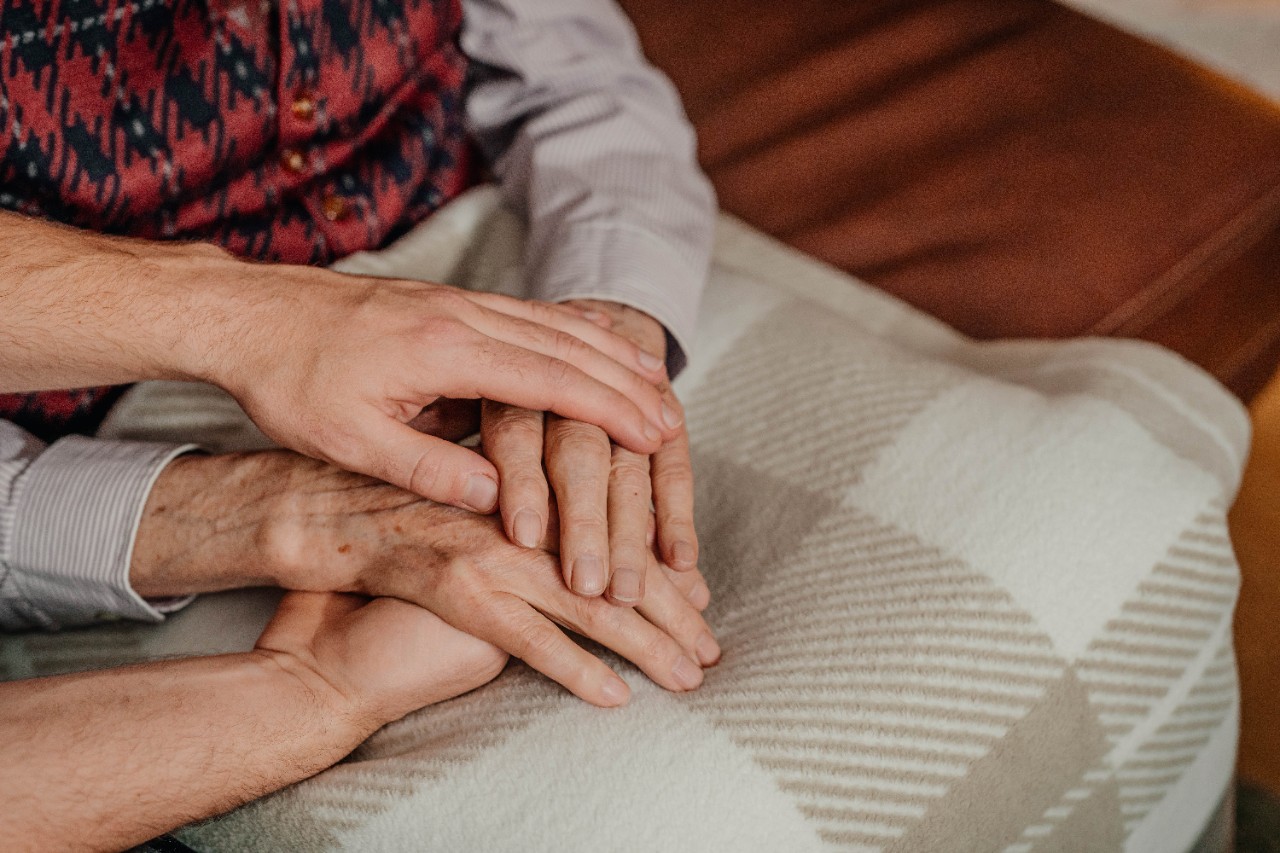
x: 622, y: 263
x: 78, y: 508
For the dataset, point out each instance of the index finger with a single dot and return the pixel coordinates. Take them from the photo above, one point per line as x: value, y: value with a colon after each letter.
x: 497, y: 370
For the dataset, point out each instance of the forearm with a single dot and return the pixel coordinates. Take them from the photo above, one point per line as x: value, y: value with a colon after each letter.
x: 205, y: 526
x: 105, y: 760
x: 83, y: 309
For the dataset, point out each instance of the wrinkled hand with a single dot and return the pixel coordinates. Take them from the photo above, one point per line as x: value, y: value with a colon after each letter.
x: 325, y: 529
x: 603, y: 491
x: 336, y: 366
x: 376, y: 660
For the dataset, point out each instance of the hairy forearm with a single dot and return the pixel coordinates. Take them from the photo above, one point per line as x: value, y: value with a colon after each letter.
x: 105, y: 760
x: 86, y: 309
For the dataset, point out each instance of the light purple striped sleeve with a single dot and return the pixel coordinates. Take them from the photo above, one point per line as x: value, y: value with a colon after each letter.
x: 591, y: 143
x: 68, y: 516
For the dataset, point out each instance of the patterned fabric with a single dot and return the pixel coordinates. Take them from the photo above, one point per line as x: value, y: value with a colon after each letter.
x: 295, y: 131
x: 971, y: 597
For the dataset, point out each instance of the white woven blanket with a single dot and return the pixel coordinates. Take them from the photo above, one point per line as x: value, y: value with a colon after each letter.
x: 971, y: 597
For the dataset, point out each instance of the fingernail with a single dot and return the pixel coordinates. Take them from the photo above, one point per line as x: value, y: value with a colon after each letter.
x: 626, y: 585
x: 651, y: 432
x: 649, y: 361
x: 597, y: 318
x: 688, y: 674
x: 708, y: 649
x: 481, y: 493
x: 671, y: 417
x: 615, y: 691
x: 528, y: 528
x: 589, y: 576
x: 682, y: 553
x: 700, y: 596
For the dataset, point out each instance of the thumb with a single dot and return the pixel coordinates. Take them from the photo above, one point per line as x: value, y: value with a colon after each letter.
x: 425, y: 465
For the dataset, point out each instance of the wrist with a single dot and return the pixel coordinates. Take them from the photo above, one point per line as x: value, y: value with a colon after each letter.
x: 202, y: 526
x: 338, y: 715
x: 213, y: 292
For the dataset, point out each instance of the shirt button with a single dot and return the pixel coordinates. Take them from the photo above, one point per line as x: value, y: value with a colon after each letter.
x: 292, y: 160
x: 303, y: 107
x: 334, y: 208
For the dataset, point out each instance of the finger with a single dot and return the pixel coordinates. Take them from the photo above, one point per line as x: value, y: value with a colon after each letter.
x: 600, y: 318
x: 516, y: 628
x: 691, y: 585
x: 673, y: 502
x: 422, y: 464
x: 629, y: 513
x: 512, y: 439
x: 626, y: 632
x: 670, y: 610
x: 578, y: 464
x: 497, y: 370
x: 573, y: 321
x: 605, y: 365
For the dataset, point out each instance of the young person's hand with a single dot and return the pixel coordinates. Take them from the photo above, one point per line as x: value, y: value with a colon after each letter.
x: 375, y: 661
x: 280, y: 519
x: 603, y: 490
x: 330, y: 365
x: 336, y: 366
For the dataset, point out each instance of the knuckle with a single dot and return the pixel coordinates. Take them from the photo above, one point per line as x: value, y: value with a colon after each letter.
x: 514, y: 424
x: 559, y: 373
x: 425, y: 476
x: 673, y: 477
x: 583, y: 614
x: 627, y: 464
x: 455, y: 576
x: 585, y: 522
x: 443, y: 330
x: 449, y: 301
x: 538, y: 640
x: 658, y: 649
x: 569, y: 348
x: 580, y: 441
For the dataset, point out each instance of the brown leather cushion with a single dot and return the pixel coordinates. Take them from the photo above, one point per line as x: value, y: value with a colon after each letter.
x: 1014, y: 168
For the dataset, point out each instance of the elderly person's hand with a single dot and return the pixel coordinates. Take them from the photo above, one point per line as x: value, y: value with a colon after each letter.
x: 277, y: 518
x: 603, y: 490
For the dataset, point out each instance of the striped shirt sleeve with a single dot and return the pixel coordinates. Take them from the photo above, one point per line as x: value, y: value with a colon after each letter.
x: 591, y: 143
x: 68, y: 516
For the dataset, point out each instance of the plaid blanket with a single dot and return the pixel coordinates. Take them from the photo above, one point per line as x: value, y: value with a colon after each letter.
x: 971, y: 597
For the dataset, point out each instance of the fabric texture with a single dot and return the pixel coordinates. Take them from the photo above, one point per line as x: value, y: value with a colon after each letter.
x: 67, y: 522
x: 1016, y: 169
x: 971, y: 597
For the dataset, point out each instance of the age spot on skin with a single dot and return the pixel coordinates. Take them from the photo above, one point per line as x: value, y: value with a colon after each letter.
x: 343, y: 549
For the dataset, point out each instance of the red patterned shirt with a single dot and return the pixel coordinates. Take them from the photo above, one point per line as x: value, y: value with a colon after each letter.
x: 293, y: 131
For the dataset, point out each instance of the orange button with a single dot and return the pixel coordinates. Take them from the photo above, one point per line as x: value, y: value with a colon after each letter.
x: 334, y: 208
x: 303, y: 106
x: 292, y: 159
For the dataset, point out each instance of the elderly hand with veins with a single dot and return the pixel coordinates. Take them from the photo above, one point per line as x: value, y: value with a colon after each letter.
x: 611, y: 501
x: 279, y: 519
